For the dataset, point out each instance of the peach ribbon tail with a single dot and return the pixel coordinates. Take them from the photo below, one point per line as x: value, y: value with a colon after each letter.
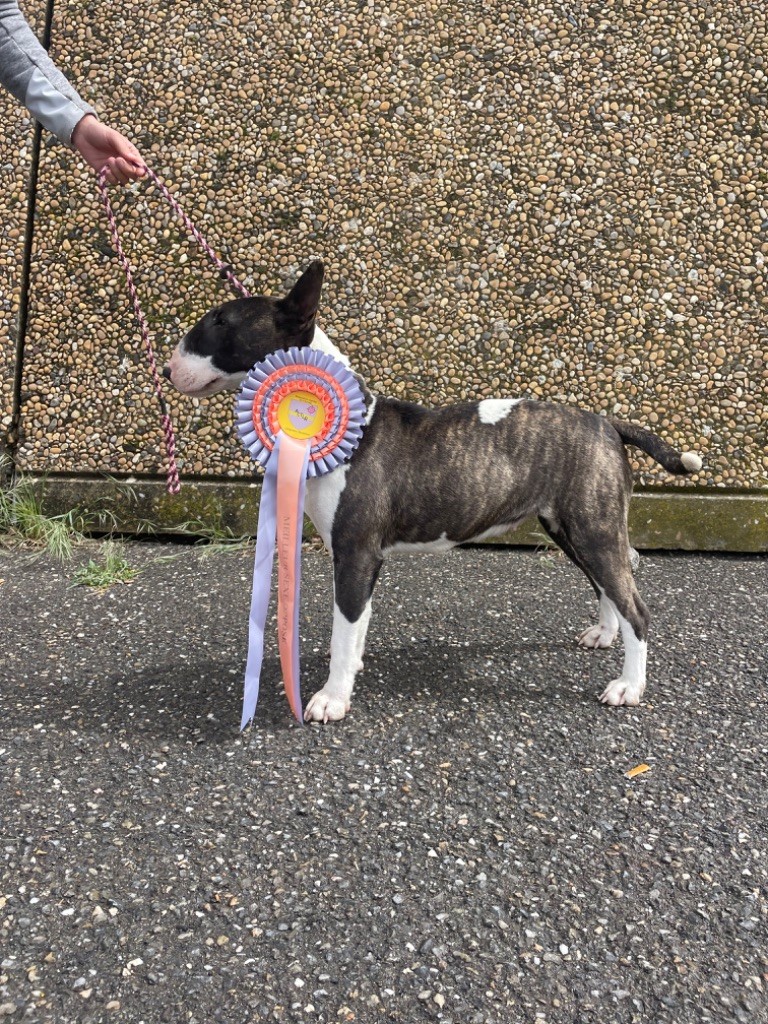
x: 293, y: 457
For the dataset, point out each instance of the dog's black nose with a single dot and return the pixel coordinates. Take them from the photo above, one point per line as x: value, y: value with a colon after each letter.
x: 167, y: 372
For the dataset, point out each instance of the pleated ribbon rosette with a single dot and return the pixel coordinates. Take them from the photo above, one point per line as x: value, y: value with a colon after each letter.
x: 300, y: 413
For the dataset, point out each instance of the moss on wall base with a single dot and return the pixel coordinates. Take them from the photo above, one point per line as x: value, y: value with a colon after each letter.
x: 680, y: 519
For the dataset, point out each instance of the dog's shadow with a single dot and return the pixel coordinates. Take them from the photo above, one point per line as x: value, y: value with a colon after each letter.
x: 516, y: 671
x: 197, y: 700
x: 201, y: 700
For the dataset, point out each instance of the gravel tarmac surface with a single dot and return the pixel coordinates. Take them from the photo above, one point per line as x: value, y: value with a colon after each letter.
x: 465, y: 847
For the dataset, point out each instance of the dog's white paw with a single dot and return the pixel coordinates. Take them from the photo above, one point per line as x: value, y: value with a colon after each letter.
x: 326, y: 707
x: 600, y: 635
x: 622, y: 691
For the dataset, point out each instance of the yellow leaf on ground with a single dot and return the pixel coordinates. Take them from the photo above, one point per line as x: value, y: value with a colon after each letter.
x: 637, y: 770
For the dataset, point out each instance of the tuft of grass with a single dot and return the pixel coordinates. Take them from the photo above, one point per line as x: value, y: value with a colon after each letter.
x: 548, y: 552
x: 213, y: 537
x: 112, y: 569
x: 23, y: 523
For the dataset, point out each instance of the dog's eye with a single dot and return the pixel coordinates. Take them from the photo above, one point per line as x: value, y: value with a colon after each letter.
x: 217, y: 317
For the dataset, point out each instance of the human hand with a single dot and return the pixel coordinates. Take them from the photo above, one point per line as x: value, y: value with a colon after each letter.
x: 103, y: 147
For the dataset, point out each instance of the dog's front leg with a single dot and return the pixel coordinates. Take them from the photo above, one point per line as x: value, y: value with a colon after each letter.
x: 332, y: 702
x: 354, y: 579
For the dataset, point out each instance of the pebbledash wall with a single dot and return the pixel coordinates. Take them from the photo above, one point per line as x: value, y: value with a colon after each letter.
x: 560, y: 200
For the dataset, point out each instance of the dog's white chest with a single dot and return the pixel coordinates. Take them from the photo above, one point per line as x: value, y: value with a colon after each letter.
x: 323, y: 492
x: 322, y: 500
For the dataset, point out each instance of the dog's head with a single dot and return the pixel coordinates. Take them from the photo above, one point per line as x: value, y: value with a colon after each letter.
x: 221, y: 348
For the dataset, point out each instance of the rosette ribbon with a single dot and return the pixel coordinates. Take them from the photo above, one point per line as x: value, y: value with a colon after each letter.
x: 299, y: 413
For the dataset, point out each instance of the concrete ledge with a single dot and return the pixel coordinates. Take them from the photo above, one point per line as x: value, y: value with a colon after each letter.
x: 674, y: 519
x: 692, y: 520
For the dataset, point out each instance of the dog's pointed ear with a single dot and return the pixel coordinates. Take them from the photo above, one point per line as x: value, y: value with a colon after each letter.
x: 300, y: 304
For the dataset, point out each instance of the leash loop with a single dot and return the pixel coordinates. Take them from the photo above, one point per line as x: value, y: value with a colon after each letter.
x: 173, y: 484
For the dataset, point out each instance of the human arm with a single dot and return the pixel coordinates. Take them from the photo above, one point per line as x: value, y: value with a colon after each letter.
x: 30, y: 75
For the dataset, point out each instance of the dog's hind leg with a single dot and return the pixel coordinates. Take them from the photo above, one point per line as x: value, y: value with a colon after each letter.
x: 604, y: 633
x: 354, y: 579
x: 629, y: 687
x: 606, y: 558
x: 603, y: 555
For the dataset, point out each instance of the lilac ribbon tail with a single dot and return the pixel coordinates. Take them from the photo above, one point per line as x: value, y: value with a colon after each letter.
x: 262, y: 583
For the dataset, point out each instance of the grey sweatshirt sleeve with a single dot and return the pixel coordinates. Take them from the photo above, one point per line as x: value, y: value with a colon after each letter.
x: 30, y: 75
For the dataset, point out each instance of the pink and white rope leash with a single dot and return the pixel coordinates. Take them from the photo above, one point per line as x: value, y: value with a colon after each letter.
x: 173, y: 485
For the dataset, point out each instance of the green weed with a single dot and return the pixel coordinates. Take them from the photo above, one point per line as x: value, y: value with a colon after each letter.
x: 548, y: 552
x: 112, y: 569
x: 23, y: 523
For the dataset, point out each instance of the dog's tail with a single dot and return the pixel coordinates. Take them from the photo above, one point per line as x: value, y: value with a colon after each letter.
x: 672, y: 460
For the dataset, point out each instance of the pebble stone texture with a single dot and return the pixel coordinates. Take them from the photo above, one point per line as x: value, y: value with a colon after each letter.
x: 565, y: 201
x: 465, y: 848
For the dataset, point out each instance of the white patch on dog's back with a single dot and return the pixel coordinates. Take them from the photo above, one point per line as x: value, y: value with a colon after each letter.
x: 491, y: 410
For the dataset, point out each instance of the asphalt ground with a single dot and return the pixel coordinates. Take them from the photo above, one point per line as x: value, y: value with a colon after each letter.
x: 466, y: 846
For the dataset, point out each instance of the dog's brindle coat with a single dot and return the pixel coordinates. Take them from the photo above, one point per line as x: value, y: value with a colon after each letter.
x: 434, y: 478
